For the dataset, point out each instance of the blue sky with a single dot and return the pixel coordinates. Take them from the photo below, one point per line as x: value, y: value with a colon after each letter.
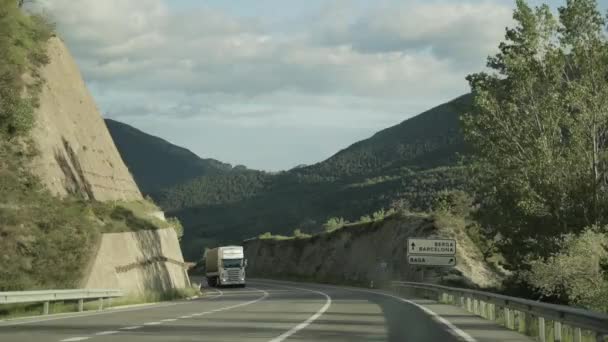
x: 272, y: 83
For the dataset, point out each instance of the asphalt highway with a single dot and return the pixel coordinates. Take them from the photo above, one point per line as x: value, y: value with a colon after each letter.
x: 268, y: 311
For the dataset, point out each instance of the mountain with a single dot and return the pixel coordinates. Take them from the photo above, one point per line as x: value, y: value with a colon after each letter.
x: 426, y: 140
x: 407, y: 163
x: 156, y: 163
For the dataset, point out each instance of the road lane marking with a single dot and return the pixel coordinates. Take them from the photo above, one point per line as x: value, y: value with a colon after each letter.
x: 169, y: 320
x: 310, y: 319
x: 152, y: 323
x: 74, y: 339
x: 185, y: 317
x: 451, y: 328
x: 103, y: 333
x: 132, y: 328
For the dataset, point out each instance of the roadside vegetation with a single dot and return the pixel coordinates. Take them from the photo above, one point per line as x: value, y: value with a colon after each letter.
x: 535, y: 199
x: 539, y: 129
x: 45, y: 242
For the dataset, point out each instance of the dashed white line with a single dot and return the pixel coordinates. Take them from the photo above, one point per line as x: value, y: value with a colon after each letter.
x: 152, y: 323
x: 132, y: 328
x: 103, y: 333
x: 185, y: 317
x: 169, y: 320
x: 74, y: 339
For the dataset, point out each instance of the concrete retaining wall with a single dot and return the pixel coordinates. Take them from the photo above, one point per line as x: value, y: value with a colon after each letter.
x: 138, y: 261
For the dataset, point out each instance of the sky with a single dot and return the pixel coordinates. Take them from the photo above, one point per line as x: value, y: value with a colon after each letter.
x: 272, y: 84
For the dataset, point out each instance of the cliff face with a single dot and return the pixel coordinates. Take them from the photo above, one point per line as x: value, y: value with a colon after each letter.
x: 77, y: 154
x: 354, y: 254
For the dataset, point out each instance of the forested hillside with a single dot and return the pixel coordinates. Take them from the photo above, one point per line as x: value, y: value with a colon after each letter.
x: 156, y: 163
x: 404, y: 165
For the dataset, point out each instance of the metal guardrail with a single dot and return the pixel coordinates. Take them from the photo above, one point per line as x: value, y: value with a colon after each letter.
x: 527, y: 316
x: 48, y: 296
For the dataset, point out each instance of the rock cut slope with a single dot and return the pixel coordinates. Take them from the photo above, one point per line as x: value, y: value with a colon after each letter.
x: 76, y: 152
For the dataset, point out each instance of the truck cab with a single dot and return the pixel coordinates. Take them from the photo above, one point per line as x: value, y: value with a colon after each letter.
x: 225, y: 266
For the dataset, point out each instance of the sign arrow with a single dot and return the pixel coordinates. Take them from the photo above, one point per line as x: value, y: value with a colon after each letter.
x: 413, y: 245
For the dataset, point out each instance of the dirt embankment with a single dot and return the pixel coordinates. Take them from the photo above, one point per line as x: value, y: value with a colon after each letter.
x: 354, y: 255
x: 77, y: 154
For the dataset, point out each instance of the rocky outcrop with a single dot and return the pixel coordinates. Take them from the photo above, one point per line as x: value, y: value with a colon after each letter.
x: 77, y: 155
x: 139, y: 261
x: 356, y: 254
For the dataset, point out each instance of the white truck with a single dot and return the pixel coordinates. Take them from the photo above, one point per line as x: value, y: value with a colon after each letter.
x: 225, y: 266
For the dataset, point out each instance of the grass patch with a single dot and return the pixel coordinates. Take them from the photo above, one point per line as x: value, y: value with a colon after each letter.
x: 22, y: 52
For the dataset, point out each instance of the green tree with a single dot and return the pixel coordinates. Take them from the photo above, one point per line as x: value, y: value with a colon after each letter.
x: 456, y: 202
x: 539, y: 128
x: 576, y: 273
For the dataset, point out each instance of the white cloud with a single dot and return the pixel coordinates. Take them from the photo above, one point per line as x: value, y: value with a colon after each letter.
x: 346, y: 67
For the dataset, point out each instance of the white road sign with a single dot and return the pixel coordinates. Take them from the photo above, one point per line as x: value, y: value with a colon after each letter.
x: 432, y: 260
x: 431, y: 246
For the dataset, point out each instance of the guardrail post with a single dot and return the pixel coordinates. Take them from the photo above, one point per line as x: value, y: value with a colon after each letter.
x: 507, y: 317
x: 469, y: 308
x: 80, y: 305
x: 100, y: 304
x: 45, y: 309
x: 578, y: 335
x: 476, y: 306
x: 557, y: 331
x: 541, y: 329
x: 521, y: 322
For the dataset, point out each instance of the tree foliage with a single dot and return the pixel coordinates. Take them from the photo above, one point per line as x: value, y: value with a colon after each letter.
x: 577, y: 273
x: 539, y: 127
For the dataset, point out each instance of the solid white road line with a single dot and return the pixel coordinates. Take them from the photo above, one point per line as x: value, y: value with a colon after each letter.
x: 74, y: 339
x: 169, y: 320
x: 451, y: 328
x: 310, y: 319
x: 103, y: 333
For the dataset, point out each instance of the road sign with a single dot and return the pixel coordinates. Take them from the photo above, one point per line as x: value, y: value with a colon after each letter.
x: 432, y: 260
x: 431, y: 246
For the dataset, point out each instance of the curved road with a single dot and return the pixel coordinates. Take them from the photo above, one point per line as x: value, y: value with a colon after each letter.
x: 268, y: 311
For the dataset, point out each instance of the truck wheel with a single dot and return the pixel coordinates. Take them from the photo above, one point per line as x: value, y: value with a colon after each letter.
x: 211, y: 282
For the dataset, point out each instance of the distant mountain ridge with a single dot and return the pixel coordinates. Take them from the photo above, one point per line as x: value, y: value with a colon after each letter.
x: 156, y: 163
x: 431, y: 138
x: 409, y: 162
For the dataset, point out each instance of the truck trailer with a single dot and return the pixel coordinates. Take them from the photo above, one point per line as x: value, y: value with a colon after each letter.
x: 225, y: 266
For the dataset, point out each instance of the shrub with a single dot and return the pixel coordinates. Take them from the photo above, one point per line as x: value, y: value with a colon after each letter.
x: 579, y: 272
x: 266, y: 235
x: 298, y: 234
x: 22, y: 52
x: 334, y: 223
x: 365, y: 219
x: 456, y: 202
